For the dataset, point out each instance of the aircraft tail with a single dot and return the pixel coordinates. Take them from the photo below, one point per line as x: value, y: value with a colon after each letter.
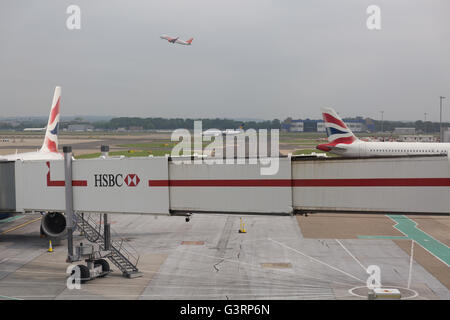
x: 337, y: 131
x: 190, y: 40
x: 241, y: 127
x: 51, y: 134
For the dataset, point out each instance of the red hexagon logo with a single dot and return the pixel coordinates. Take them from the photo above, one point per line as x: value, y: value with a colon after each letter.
x: 132, y: 180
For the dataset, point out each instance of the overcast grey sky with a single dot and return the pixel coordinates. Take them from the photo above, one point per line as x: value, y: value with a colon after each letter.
x: 250, y: 58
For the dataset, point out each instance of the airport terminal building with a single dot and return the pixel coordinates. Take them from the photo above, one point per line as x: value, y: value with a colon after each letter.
x: 308, y: 125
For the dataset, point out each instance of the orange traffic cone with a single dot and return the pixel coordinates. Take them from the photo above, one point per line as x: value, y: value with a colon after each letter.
x: 242, y: 227
x: 50, y: 248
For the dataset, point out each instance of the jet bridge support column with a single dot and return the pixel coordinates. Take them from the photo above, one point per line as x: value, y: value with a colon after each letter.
x: 107, y: 231
x: 104, y: 149
x: 69, y: 200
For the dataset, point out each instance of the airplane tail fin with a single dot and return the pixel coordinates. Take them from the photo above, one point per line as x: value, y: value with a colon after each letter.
x: 190, y: 40
x: 51, y: 134
x: 337, y: 130
x: 242, y: 126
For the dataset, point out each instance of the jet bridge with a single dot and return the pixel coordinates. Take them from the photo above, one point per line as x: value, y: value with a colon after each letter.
x: 158, y: 185
x: 7, y: 186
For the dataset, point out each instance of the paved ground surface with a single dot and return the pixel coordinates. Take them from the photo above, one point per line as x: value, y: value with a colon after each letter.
x: 430, y: 234
x: 278, y: 258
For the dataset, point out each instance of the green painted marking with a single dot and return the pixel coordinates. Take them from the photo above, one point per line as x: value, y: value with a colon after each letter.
x: 10, y: 219
x: 409, y: 228
x: 384, y: 237
x: 9, y: 298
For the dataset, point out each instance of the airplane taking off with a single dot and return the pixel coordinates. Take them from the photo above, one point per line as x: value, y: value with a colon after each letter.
x: 177, y: 40
x: 216, y: 133
x: 342, y: 141
x: 49, y: 149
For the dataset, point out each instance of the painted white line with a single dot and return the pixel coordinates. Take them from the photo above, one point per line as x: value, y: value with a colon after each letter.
x: 318, y: 261
x: 269, y: 271
x: 412, y: 296
x: 351, y: 255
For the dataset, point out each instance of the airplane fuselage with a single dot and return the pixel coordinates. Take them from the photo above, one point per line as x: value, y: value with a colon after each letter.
x: 176, y: 40
x: 372, y: 149
x: 216, y: 133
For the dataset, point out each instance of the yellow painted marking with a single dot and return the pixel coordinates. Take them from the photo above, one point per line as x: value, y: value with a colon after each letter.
x: 21, y: 225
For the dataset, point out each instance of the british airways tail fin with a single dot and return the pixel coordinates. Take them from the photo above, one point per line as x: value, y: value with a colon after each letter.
x: 337, y: 130
x: 51, y: 134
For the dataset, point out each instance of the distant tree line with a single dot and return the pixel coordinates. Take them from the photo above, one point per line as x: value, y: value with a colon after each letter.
x: 170, y: 124
x: 222, y: 124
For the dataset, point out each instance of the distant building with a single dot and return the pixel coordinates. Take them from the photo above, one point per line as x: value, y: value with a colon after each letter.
x: 404, y: 130
x: 136, y: 128
x: 79, y: 127
x: 417, y: 138
x: 308, y: 125
x: 446, y: 135
x: 321, y: 126
x: 296, y: 126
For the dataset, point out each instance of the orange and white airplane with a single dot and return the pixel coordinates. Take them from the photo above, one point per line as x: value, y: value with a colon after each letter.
x: 342, y: 141
x: 177, y: 40
x: 49, y: 149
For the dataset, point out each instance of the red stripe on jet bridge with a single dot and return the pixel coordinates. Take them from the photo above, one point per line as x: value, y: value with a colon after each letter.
x: 329, y: 118
x: 221, y: 183
x: 377, y: 182
x: 62, y: 183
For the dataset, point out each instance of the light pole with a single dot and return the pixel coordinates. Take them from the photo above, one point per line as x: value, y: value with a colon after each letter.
x: 382, y: 112
x: 425, y: 123
x: 440, y: 119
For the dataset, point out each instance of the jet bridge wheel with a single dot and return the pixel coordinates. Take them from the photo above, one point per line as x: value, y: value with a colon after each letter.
x: 104, y: 264
x: 84, y: 273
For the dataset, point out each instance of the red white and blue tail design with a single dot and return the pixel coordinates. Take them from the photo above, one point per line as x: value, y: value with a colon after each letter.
x: 337, y: 130
x: 51, y: 134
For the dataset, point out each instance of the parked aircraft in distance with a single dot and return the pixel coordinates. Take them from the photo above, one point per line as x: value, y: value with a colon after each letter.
x: 216, y: 133
x: 34, y: 129
x: 49, y: 149
x: 177, y: 40
x: 342, y: 141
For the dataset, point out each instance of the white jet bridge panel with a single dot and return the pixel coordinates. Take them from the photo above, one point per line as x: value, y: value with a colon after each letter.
x: 233, y: 188
x: 99, y: 185
x: 400, y: 184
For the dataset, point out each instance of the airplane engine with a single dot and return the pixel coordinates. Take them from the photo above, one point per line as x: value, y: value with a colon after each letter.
x: 53, y: 224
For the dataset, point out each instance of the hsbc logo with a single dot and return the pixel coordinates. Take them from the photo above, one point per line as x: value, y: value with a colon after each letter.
x: 132, y: 180
x: 116, y: 180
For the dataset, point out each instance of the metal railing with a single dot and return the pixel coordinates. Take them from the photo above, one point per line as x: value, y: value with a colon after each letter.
x: 91, y: 227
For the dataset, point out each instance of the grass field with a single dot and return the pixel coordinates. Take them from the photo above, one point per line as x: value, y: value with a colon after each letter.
x: 129, y: 153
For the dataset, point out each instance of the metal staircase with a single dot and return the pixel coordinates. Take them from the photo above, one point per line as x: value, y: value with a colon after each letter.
x: 122, y: 255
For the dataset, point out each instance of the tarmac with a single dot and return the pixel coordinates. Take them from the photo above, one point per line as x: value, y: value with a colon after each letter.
x: 322, y: 256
